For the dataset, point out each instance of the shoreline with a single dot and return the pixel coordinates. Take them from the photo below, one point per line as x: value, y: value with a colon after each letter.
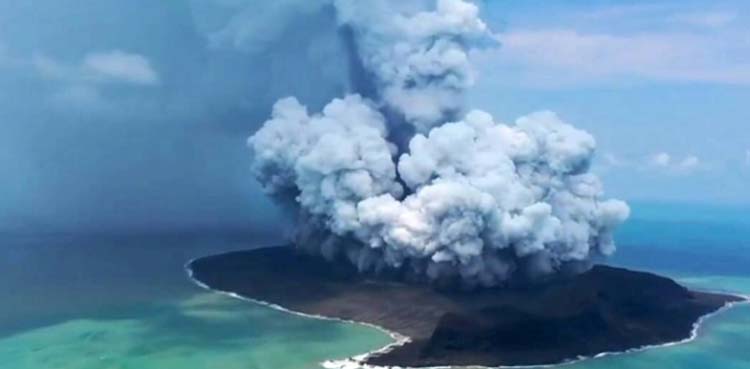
x: 359, y: 361
x: 398, y: 338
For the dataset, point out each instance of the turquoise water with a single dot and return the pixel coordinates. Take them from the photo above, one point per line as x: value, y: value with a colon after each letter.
x: 204, y: 331
x: 125, y: 302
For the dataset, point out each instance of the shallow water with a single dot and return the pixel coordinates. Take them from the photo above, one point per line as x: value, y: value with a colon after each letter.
x: 125, y: 302
x: 205, y: 330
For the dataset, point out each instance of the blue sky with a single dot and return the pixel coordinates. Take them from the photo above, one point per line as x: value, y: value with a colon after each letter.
x: 663, y: 85
x: 134, y: 114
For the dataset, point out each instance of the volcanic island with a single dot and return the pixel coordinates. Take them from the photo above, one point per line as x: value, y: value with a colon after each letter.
x: 603, y: 310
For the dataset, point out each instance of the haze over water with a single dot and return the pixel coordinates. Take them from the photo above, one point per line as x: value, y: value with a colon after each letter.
x: 125, y: 302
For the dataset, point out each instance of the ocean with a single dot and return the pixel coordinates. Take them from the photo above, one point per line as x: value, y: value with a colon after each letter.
x: 125, y: 302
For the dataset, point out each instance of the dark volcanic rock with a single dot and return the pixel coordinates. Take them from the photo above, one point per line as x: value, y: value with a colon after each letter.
x: 603, y: 310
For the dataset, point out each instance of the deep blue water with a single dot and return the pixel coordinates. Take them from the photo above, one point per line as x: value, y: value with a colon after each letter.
x: 686, y: 239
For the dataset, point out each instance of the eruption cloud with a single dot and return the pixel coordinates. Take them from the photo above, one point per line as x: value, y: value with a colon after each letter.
x: 467, y: 197
x: 418, y: 62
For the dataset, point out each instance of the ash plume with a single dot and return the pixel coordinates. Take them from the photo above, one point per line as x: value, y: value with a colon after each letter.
x: 417, y: 58
x: 463, y: 196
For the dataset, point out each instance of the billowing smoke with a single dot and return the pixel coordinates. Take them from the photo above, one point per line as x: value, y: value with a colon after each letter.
x: 467, y: 198
x: 417, y: 59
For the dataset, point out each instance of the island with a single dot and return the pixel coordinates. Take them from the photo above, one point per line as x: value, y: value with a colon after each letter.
x: 605, y: 309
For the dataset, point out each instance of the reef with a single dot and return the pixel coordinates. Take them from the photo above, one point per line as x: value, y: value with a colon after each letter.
x: 605, y: 309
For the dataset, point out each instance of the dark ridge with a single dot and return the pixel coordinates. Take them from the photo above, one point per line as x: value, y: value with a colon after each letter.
x: 605, y: 309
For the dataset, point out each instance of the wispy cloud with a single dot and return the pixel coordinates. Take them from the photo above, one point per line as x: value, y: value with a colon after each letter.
x: 565, y: 56
x: 665, y: 42
x: 120, y: 66
x: 661, y: 159
x: 621, y: 11
x: 665, y: 161
x: 660, y: 13
x: 660, y: 162
x: 81, y: 84
x: 99, y: 67
x: 689, y: 163
x: 714, y: 19
x: 613, y: 160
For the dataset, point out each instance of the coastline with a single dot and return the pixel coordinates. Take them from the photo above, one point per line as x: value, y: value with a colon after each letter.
x: 359, y: 361
x: 399, y: 339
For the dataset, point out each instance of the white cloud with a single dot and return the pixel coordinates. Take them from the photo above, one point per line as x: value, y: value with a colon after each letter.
x: 99, y: 67
x: 661, y: 159
x: 661, y: 162
x: 50, y: 68
x: 669, y: 164
x: 563, y: 56
x: 747, y: 157
x: 667, y: 41
x: 80, y: 85
x: 612, y: 160
x: 659, y: 14
x: 690, y: 162
x: 664, y: 13
x: 611, y: 12
x: 119, y: 66
x: 254, y: 25
x: 608, y: 162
